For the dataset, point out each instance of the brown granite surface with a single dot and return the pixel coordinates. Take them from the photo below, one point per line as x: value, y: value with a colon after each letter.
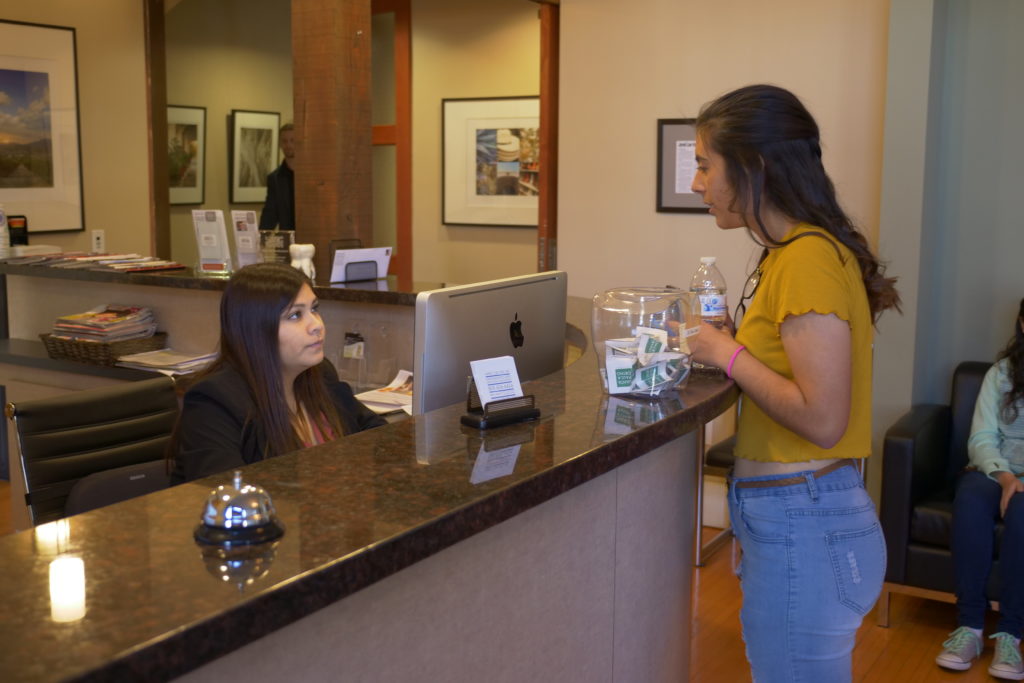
x: 385, y: 291
x: 356, y: 511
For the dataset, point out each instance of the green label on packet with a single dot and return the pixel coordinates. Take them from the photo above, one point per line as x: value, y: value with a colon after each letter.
x: 624, y: 377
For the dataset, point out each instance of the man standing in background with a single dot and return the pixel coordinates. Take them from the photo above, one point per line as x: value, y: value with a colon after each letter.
x: 279, y: 207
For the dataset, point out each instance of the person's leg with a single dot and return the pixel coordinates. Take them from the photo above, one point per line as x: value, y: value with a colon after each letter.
x: 975, y: 510
x: 759, y: 524
x: 813, y: 565
x: 1006, y: 662
x: 1011, y: 569
x: 838, y: 572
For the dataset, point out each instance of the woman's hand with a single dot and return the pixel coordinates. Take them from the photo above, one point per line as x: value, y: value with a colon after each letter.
x: 712, y: 346
x: 1011, y: 485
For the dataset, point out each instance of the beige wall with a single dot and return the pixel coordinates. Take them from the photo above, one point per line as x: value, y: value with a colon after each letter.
x: 230, y: 54
x: 466, y: 48
x: 112, y: 107
x: 623, y: 70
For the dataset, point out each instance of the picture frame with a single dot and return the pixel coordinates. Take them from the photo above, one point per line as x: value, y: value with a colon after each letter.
x: 253, y: 154
x: 186, y: 154
x: 41, y: 156
x: 490, y: 161
x: 676, y: 167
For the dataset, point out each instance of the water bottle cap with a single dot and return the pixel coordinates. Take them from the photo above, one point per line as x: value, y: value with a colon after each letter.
x: 708, y: 260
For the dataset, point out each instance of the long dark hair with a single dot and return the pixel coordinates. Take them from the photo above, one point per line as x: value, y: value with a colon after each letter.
x: 250, y: 314
x: 772, y: 150
x: 1014, y: 355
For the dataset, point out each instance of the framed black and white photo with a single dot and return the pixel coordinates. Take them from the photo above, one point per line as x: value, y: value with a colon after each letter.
x: 186, y: 153
x: 40, y: 150
x: 491, y: 161
x: 677, y: 140
x: 253, y: 153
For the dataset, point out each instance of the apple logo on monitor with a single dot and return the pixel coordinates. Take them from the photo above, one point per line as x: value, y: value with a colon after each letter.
x: 515, y: 332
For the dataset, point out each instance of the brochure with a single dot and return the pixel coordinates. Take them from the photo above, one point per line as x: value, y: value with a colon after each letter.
x: 394, y: 397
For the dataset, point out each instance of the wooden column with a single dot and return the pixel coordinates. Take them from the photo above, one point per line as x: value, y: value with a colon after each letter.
x: 156, y: 85
x: 331, y: 66
x: 547, y: 220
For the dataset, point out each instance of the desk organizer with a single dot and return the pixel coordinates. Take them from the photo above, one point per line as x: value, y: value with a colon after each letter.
x: 100, y: 353
x: 497, y: 413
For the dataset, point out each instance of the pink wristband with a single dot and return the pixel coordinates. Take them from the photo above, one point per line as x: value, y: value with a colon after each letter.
x: 728, y: 369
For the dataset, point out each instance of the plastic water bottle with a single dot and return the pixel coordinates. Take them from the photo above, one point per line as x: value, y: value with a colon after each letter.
x: 5, y: 235
x: 709, y: 286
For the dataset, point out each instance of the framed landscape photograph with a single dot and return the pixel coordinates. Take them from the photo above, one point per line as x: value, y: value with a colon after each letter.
x: 253, y: 154
x: 40, y: 153
x: 677, y: 140
x: 490, y: 161
x: 186, y: 153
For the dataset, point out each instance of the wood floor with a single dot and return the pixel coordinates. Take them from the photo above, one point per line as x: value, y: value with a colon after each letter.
x: 905, y: 652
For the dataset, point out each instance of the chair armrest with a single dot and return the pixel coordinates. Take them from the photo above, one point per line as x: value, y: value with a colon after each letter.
x: 914, y: 463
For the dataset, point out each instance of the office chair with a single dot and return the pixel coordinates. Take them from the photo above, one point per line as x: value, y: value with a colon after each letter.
x: 64, y: 439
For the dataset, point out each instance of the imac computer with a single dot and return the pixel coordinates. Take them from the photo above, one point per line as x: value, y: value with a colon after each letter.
x: 522, y: 317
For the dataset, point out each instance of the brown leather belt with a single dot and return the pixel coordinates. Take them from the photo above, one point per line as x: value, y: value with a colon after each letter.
x: 790, y: 481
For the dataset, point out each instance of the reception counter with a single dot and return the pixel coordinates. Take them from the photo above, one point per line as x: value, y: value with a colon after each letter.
x: 186, y: 307
x: 554, y: 550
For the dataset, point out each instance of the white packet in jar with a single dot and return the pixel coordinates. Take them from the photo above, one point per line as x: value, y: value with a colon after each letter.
x: 672, y: 358
x: 650, y: 340
x: 652, y: 376
x: 621, y: 347
x: 619, y: 372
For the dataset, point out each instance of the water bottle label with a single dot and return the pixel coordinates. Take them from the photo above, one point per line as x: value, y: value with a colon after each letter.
x: 713, y: 305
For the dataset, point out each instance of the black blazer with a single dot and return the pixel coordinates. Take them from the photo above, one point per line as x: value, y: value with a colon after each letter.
x: 218, y: 429
x: 279, y: 207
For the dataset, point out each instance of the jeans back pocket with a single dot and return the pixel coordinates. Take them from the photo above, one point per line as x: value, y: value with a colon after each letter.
x: 858, y: 562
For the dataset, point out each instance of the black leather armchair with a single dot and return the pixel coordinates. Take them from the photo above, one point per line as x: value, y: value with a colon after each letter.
x: 923, y: 453
x: 64, y: 439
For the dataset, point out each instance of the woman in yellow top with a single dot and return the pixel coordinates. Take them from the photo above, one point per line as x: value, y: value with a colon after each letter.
x: 813, y: 553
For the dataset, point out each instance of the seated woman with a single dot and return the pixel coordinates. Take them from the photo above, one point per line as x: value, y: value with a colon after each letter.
x: 986, y: 492
x: 270, y: 391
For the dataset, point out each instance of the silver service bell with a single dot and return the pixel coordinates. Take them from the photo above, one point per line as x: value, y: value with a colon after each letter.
x: 238, y: 514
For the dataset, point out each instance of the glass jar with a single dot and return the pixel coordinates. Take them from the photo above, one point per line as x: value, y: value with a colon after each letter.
x: 639, y: 334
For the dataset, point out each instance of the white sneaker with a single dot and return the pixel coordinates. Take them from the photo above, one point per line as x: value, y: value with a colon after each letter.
x: 961, y: 649
x: 1006, y: 663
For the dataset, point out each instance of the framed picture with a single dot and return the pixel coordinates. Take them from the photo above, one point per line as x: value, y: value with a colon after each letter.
x: 491, y: 161
x: 253, y: 154
x: 40, y: 152
x: 186, y: 153
x: 677, y: 140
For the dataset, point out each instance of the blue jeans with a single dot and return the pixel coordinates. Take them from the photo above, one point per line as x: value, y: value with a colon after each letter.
x: 975, y: 512
x: 813, y: 565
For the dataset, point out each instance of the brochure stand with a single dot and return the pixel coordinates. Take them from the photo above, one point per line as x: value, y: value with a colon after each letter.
x: 497, y: 413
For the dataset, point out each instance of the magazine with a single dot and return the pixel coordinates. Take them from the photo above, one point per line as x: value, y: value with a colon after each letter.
x: 107, y: 323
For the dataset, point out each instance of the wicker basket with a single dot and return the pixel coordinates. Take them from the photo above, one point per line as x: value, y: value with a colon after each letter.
x: 100, y: 353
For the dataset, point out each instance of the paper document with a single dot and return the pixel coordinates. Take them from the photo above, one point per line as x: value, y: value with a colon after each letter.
x: 167, y: 361
x: 496, y: 379
x: 395, y: 396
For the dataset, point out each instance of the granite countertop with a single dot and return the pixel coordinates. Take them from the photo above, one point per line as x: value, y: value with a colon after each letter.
x: 387, y: 290
x: 356, y: 510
